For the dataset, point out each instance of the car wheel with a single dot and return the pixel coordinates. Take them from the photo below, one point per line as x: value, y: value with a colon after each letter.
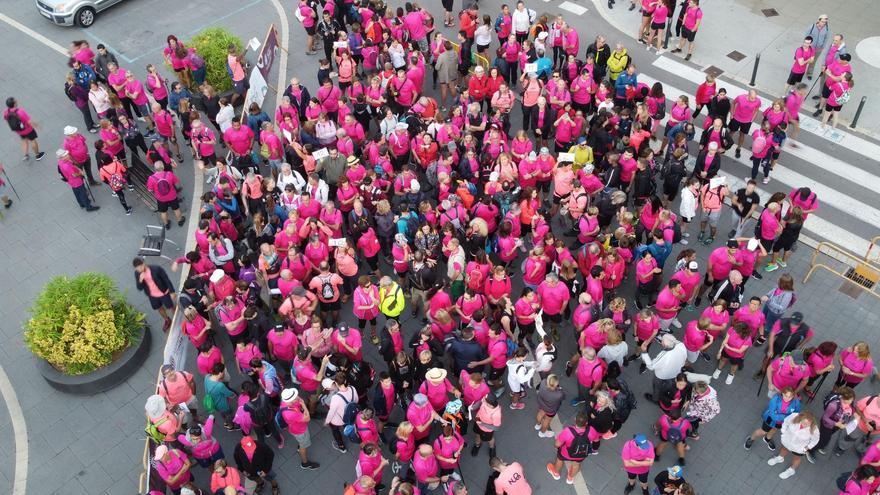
x: 85, y: 17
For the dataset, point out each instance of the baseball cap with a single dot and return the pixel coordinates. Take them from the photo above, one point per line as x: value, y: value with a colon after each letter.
x: 797, y: 317
x: 731, y: 243
x: 641, y: 441
x: 545, y: 150
x: 420, y: 399
x: 343, y: 329
x: 160, y: 452
x: 582, y: 140
x: 693, y: 266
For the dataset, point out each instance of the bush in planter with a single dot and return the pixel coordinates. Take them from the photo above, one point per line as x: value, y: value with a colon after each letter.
x: 212, y: 44
x: 80, y: 324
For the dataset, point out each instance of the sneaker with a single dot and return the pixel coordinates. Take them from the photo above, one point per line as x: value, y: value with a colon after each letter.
x: 766, y: 180
x: 553, y: 472
x: 709, y: 240
x: 748, y: 444
x: 549, y: 434
x: 690, y: 308
x: 782, y: 263
x: 168, y: 225
x: 632, y: 7
x: 569, y: 481
x: 676, y: 323
x: 698, y: 301
x: 25, y: 158
x: 686, y: 234
x: 93, y: 130
x: 700, y: 237
x: 737, y: 153
x: 681, y: 461
x: 716, y: 375
x: 576, y: 402
x: 675, y: 50
x: 757, y: 275
x: 537, y: 427
x: 788, y: 473
x: 128, y: 211
x: 568, y: 368
x: 729, y: 379
x: 706, y: 357
x: 340, y: 448
x: 628, y: 489
x: 771, y: 267
x: 113, y: 194
x: 39, y: 156
x: 181, y: 221
x: 810, y: 458
x: 770, y: 444
x: 683, y: 242
x: 517, y: 406
x: 687, y: 57
x: 93, y: 208
x: 660, y: 51
x: 821, y: 451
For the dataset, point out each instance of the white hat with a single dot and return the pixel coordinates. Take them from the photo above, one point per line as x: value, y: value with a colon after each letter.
x: 543, y: 35
x: 401, y: 126
x: 61, y: 153
x: 493, y: 177
x: 155, y: 406
x: 415, y: 186
x: 713, y: 145
x: 289, y: 394
x: 693, y: 266
x: 160, y: 452
x: 217, y: 275
x: 588, y: 168
x: 69, y: 130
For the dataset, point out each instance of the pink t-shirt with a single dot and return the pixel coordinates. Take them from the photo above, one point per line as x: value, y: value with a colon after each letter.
x: 745, y: 109
x: 734, y: 341
x: 553, y: 299
x: 689, y: 283
x: 645, y: 329
x: 753, y: 320
x: 721, y: 264
x: 590, y: 372
x: 632, y: 452
x: 666, y: 299
x: 692, y: 16
x: 802, y: 54
x: 852, y: 361
x: 718, y: 319
x: 425, y: 467
x: 512, y: 481
x: 283, y: 344
x: 694, y: 338
x: 787, y: 374
x: 566, y: 436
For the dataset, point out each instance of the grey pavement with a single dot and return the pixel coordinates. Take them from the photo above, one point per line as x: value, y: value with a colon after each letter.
x: 774, y: 30
x: 94, y: 444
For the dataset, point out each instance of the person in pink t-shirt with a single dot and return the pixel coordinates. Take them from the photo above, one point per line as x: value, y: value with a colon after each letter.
x: 733, y: 349
x: 693, y: 17
x: 855, y: 365
x: 426, y: 467
x: 804, y: 56
x: 163, y: 184
x: 553, y: 296
x: 638, y: 457
x: 572, y: 448
x: 511, y: 479
x: 20, y: 122
x: 744, y: 109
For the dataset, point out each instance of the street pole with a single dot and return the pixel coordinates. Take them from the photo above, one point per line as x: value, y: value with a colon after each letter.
x: 858, y: 112
x: 755, y: 70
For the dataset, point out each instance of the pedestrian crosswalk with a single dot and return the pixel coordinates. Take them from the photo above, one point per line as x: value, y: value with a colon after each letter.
x: 819, y: 225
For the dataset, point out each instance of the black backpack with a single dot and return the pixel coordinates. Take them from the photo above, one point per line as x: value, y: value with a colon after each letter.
x: 579, y: 446
x: 791, y: 338
x: 14, y: 121
x: 624, y: 402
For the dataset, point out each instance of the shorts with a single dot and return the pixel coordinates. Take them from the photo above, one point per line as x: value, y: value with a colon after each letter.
x: 643, y: 477
x: 563, y: 459
x: 736, y: 125
x: 766, y: 427
x: 311, y: 30
x: 144, y: 109
x: 784, y: 243
x: 164, y: 206
x: 686, y: 219
x: 831, y: 108
x: 712, y: 216
x: 734, y: 361
x: 331, y: 306
x: 485, y: 436
x: 557, y: 318
x: 239, y: 87
x: 688, y: 34
x: 706, y: 281
x: 794, y: 78
x: 558, y: 200
x: 774, y: 155
x: 647, y: 14
x: 826, y: 92
x: 164, y: 301
x: 656, y: 26
x: 29, y: 136
x: 496, y: 373
x: 167, y: 139
x: 304, y: 441
x: 482, y: 48
x: 768, y: 244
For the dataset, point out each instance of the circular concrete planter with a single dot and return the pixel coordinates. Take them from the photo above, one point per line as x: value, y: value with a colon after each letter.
x: 105, y: 378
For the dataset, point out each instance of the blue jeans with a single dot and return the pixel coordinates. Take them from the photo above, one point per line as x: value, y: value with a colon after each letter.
x: 770, y: 319
x: 82, y: 196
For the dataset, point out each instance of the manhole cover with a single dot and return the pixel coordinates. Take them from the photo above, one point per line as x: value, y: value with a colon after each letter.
x: 735, y: 55
x: 769, y: 12
x: 713, y: 71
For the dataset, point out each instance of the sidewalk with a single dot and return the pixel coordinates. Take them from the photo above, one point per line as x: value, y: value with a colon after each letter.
x: 742, y: 26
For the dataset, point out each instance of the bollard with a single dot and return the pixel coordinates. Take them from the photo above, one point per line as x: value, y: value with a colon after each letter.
x: 858, y: 112
x: 755, y: 70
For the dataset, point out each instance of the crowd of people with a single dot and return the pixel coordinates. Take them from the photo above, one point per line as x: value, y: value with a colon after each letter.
x: 482, y: 261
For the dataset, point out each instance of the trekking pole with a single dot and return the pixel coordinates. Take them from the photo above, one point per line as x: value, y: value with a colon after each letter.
x: 88, y: 189
x: 10, y: 183
x: 817, y: 388
x: 761, y: 385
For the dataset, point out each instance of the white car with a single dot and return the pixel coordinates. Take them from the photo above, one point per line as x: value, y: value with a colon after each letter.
x: 73, y: 12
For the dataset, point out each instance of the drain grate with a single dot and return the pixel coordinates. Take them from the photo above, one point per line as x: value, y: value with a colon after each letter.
x: 860, y: 279
x: 769, y: 12
x: 736, y: 56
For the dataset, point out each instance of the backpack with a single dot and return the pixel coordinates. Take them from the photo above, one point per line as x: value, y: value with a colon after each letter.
x: 498, y: 21
x: 579, y: 446
x: 379, y: 405
x: 676, y: 232
x: 475, y: 279
x: 163, y: 185
x: 352, y: 433
x: 153, y: 433
x: 842, y: 480
x: 355, y: 15
x: 791, y: 338
x: 351, y: 410
x: 196, y: 61
x: 412, y: 226
x: 624, y: 402
x: 14, y: 121
x: 393, y: 305
x: 675, y: 435
x: 660, y: 113
x: 533, y: 16
x: 279, y: 419
x: 431, y: 174
x: 117, y: 181
x: 831, y: 397
x: 208, y: 403
x: 326, y: 288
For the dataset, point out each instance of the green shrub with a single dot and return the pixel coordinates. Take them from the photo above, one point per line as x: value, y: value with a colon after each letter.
x: 212, y: 44
x: 80, y: 324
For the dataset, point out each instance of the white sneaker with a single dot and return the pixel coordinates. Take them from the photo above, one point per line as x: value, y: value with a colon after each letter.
x: 683, y: 242
x: 686, y: 234
x: 549, y: 434
x: 538, y: 427
x: 676, y: 323
x: 716, y: 374
x: 660, y: 51
x: 729, y: 379
x: 542, y: 434
x: 767, y: 181
x: 776, y: 460
x: 788, y: 473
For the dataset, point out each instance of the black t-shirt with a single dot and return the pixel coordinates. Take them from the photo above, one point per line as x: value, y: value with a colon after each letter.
x: 746, y: 201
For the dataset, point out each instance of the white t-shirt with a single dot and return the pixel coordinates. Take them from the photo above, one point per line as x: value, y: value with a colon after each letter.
x: 483, y: 35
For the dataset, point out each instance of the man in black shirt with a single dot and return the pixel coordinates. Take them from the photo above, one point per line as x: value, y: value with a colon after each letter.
x: 329, y: 29
x: 194, y: 294
x: 743, y: 203
x: 423, y: 275
x: 463, y: 350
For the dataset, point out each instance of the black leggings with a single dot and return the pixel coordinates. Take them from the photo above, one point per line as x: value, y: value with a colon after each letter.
x: 120, y: 194
x: 825, y: 434
x: 337, y: 435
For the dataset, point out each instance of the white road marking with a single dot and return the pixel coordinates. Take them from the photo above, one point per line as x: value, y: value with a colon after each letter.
x: 580, y: 484
x: 19, y: 427
x: 808, y: 123
x: 33, y: 34
x: 285, y: 44
x: 573, y: 8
